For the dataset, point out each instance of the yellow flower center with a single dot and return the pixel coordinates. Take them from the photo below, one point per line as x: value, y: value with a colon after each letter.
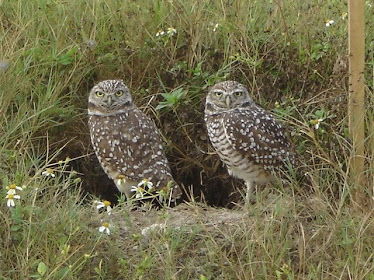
x: 315, y: 121
x: 106, y: 203
x: 10, y: 196
x: 49, y: 170
x: 12, y: 187
x: 121, y: 176
x: 105, y: 224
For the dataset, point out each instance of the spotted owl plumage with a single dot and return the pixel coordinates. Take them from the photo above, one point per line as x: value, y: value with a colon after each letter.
x: 247, y: 139
x: 126, y: 141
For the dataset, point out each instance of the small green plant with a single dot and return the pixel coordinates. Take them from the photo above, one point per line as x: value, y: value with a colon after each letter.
x: 318, y: 118
x: 143, y: 266
x: 68, y: 57
x: 286, y: 108
x: 318, y: 51
x: 41, y: 271
x: 284, y: 273
x: 172, y: 99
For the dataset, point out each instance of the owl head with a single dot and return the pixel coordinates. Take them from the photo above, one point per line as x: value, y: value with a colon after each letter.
x: 227, y: 95
x: 109, y: 97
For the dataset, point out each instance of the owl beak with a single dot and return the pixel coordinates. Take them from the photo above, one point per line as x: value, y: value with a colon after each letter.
x: 109, y: 102
x: 228, y: 101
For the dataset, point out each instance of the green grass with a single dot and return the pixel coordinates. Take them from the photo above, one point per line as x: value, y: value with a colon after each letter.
x: 282, y: 50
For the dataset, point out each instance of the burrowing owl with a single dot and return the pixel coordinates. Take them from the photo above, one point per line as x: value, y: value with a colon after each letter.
x: 126, y: 141
x: 247, y: 138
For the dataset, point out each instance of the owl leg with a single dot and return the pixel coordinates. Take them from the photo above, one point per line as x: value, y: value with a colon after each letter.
x: 249, y: 195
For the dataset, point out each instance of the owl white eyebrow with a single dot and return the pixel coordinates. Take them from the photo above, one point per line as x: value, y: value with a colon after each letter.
x: 219, y: 90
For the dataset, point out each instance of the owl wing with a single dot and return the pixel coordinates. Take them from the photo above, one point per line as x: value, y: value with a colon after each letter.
x: 255, y: 134
x: 142, y: 148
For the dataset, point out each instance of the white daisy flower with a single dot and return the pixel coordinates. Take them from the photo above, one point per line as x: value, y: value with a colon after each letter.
x: 121, y: 179
x: 11, y: 197
x: 105, y: 228
x: 49, y: 173
x: 144, y: 187
x: 316, y: 123
x: 160, y: 33
x: 12, y: 189
x: 146, y: 184
x: 104, y: 204
x: 171, y: 31
x: 138, y: 190
x: 329, y: 22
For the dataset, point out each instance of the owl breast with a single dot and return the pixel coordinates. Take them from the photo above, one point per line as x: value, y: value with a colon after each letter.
x: 237, y: 163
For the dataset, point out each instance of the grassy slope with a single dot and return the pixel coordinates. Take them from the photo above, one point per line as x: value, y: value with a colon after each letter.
x: 291, y: 62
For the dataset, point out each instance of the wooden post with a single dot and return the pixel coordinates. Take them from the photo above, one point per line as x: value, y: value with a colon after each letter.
x: 356, y: 107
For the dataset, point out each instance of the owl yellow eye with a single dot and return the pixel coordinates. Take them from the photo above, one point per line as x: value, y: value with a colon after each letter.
x: 218, y: 93
x: 119, y: 93
x: 99, y: 94
x: 238, y: 93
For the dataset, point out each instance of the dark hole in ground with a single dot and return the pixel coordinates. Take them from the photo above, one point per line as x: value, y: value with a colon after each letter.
x: 213, y: 191
x: 214, y: 188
